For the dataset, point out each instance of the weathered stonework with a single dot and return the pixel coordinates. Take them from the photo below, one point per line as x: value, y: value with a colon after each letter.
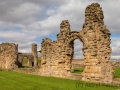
x: 96, y: 46
x: 34, y: 53
x: 56, y: 56
x: 8, y: 55
x: 11, y: 59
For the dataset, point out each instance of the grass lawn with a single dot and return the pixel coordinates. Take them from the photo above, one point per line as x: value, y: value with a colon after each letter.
x: 78, y: 70
x: 117, y: 72
x: 19, y: 81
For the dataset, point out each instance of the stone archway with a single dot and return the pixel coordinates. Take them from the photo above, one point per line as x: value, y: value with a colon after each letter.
x: 56, y: 56
x: 25, y: 61
x: 29, y: 57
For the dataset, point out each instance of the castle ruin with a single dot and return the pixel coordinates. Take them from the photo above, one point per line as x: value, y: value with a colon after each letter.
x: 56, y: 56
x: 10, y: 58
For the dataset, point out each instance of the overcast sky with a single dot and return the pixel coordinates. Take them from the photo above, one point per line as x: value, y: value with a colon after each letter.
x: 29, y: 21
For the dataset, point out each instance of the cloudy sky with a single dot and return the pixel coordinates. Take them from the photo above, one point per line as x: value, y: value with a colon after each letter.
x: 29, y: 21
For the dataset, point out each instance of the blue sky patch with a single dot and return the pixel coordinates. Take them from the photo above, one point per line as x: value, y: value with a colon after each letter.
x: 115, y: 35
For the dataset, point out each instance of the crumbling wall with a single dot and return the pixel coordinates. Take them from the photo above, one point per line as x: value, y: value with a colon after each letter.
x: 96, y: 46
x: 8, y: 55
x: 56, y: 56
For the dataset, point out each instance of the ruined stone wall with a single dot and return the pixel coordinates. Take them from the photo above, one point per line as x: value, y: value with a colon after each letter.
x: 116, y: 64
x: 32, y: 57
x: 8, y: 55
x: 56, y: 56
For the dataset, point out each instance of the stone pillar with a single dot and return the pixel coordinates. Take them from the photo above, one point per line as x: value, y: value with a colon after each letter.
x: 34, y: 53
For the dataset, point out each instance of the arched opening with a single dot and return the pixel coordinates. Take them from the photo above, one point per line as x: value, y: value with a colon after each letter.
x: 78, y: 54
x: 78, y: 58
x: 25, y: 62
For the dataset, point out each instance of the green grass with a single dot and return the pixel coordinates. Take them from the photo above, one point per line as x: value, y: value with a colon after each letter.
x: 78, y: 70
x: 117, y: 72
x: 19, y: 81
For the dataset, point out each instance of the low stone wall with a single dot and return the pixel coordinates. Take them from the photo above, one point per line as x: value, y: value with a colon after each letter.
x: 116, y: 63
x: 77, y: 63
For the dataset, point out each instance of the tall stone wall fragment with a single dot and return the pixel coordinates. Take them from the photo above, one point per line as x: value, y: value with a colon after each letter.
x: 96, y: 46
x: 8, y: 55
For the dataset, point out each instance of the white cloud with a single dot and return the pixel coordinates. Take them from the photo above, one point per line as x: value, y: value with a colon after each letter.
x: 50, y: 12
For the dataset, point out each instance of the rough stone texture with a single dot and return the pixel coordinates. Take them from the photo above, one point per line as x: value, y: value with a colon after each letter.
x: 34, y: 53
x: 96, y: 46
x: 8, y: 55
x: 11, y: 59
x: 56, y: 56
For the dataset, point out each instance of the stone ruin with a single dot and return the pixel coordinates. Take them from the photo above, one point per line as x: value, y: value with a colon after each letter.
x: 56, y: 56
x: 8, y: 55
x: 32, y: 57
x: 11, y: 59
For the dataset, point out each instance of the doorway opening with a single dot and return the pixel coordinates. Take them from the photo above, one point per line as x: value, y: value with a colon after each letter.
x: 78, y: 58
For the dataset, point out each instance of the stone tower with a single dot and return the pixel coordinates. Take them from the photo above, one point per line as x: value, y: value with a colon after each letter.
x: 34, y: 53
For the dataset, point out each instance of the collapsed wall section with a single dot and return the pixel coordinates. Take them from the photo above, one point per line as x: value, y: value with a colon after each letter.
x: 8, y: 55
